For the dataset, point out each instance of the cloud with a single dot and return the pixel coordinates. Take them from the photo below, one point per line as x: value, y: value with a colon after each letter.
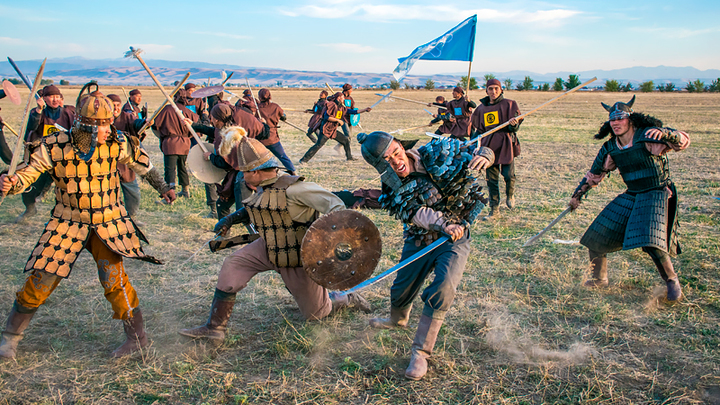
x: 24, y: 14
x: 220, y: 51
x: 345, y: 47
x: 223, y: 35
x: 154, y: 48
x: 12, y: 41
x: 387, y: 13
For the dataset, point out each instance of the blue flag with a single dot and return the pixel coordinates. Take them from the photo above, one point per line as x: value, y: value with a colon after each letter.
x: 456, y: 44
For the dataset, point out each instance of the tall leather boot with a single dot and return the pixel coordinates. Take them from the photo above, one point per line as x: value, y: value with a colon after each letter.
x: 598, y: 262
x: 216, y: 326
x: 399, y: 318
x: 667, y: 272
x: 12, y: 335
x: 351, y: 300
x: 422, y: 347
x: 135, y: 338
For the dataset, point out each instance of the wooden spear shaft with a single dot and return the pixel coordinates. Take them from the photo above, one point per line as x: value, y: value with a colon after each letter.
x: 404, y: 99
x: 137, y: 56
x: 155, y: 114
x: 257, y: 109
x: 294, y: 126
x: 397, y: 131
x: 543, y: 105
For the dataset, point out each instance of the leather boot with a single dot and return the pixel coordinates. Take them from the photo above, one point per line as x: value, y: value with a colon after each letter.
x: 399, y: 318
x: 349, y: 300
x: 135, y: 338
x: 494, y: 213
x: 213, y: 214
x: 598, y: 262
x: 216, y: 326
x: 422, y: 347
x: 667, y: 272
x: 12, y: 335
x: 30, y: 211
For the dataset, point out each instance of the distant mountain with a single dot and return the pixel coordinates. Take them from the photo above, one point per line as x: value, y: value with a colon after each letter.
x: 79, y: 70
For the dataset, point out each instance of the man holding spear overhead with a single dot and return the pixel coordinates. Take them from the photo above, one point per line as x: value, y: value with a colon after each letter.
x: 87, y: 215
x: 494, y: 110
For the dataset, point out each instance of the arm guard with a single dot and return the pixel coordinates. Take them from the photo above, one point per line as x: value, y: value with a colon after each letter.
x: 581, y: 189
x: 670, y: 136
x: 240, y: 216
x: 155, y: 180
x: 487, y: 153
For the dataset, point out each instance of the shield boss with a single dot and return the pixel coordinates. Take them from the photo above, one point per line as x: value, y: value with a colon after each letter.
x: 341, y: 249
x: 203, y: 169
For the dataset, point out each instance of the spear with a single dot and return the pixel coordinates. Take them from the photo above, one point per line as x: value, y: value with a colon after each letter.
x: 404, y: 99
x: 254, y: 101
x: 20, y: 141
x: 155, y: 114
x: 135, y: 53
x: 295, y: 126
x: 400, y: 131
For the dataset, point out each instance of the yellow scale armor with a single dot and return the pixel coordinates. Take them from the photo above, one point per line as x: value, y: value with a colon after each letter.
x: 87, y: 199
x: 283, y: 236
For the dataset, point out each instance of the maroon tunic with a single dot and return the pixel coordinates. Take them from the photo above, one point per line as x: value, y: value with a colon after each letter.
x: 125, y: 122
x: 349, y: 104
x: 132, y: 108
x: 252, y: 125
x: 316, y: 118
x: 272, y: 113
x: 486, y: 117
x: 461, y: 110
x: 174, y: 134
x: 199, y: 104
x: 332, y: 110
x: 249, y: 103
x: 65, y: 120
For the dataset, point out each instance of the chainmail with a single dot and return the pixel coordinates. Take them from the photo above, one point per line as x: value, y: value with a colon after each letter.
x: 83, y: 139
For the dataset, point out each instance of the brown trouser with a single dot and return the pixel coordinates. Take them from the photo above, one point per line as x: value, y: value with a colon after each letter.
x: 111, y: 272
x: 244, y: 264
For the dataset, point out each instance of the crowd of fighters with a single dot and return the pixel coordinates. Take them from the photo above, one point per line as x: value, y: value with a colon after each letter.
x: 93, y: 150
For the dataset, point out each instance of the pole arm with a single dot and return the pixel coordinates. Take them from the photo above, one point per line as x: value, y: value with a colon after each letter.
x: 155, y: 114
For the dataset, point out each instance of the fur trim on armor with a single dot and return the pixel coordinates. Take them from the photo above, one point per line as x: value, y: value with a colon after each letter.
x: 231, y: 136
x: 638, y: 120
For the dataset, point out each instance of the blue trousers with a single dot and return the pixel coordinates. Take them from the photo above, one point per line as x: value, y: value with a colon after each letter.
x: 131, y: 196
x: 279, y: 152
x: 446, y: 262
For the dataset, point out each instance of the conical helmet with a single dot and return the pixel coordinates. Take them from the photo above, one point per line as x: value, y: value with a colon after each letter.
x: 251, y: 154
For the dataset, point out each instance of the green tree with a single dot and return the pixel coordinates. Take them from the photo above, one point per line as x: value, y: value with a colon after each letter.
x: 647, y: 87
x: 627, y: 87
x: 559, y: 84
x: 64, y: 82
x: 612, y: 85
x: 488, y: 77
x: 573, y: 81
x: 715, y: 86
x: 667, y: 87
x: 463, y: 83
x: 15, y: 81
x: 698, y: 86
x: 394, y: 84
x: 527, y: 83
x: 508, y: 83
x: 45, y: 82
x: 429, y: 84
x: 544, y: 87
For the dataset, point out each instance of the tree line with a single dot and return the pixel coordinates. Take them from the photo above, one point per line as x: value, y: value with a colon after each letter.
x: 612, y: 85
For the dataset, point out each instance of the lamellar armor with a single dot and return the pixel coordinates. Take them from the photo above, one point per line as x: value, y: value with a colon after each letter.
x: 449, y: 187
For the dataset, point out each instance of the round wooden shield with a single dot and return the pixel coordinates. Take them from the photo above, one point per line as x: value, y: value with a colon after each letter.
x: 11, y: 92
x: 341, y: 249
x: 203, y: 169
x: 207, y: 91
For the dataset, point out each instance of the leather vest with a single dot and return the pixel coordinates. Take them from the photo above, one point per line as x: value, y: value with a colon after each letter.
x: 641, y: 170
x: 269, y: 213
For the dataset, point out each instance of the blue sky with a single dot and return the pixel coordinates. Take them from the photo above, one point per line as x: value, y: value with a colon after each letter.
x: 369, y: 35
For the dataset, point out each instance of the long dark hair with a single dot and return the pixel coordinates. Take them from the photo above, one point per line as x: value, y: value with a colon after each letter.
x: 638, y: 120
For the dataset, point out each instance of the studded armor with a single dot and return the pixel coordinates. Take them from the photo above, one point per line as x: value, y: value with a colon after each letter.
x: 87, y: 200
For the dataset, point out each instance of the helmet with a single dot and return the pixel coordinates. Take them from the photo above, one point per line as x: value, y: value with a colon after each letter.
x: 252, y: 154
x: 620, y: 110
x: 92, y: 110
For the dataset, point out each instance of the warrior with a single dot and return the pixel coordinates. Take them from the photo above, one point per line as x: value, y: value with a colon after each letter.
x: 133, y: 105
x: 88, y: 214
x: 352, y: 116
x: 175, y: 142
x: 247, y: 102
x: 442, y: 115
x: 272, y: 113
x: 5, y: 151
x: 333, y: 114
x: 460, y: 109
x: 494, y: 110
x: 129, y: 125
x: 645, y: 215
x: 282, y: 210
x: 196, y: 105
x: 432, y: 191
x: 49, y: 112
x: 316, y: 119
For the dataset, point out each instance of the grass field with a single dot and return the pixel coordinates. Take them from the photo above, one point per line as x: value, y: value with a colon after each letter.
x: 522, y: 330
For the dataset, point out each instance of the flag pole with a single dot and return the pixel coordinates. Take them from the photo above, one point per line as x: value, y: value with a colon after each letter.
x: 467, y: 85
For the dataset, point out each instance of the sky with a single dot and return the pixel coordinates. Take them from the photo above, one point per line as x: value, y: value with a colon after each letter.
x: 369, y: 35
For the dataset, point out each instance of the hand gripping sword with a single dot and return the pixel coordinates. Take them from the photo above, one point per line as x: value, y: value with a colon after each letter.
x: 367, y: 283
x: 21, y: 141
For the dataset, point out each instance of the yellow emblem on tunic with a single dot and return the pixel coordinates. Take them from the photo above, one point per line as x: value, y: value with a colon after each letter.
x: 491, y: 118
x: 49, y: 129
x: 338, y: 114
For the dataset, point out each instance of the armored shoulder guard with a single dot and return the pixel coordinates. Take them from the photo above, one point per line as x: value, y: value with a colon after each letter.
x: 597, y: 166
x: 444, y: 159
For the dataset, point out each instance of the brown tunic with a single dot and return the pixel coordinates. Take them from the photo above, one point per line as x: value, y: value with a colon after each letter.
x: 174, y: 134
x: 272, y: 113
x: 125, y: 122
x: 332, y: 110
x: 488, y: 116
x: 249, y: 103
x: 316, y: 118
x: 132, y: 108
x: 45, y: 125
x: 199, y: 104
x: 460, y: 109
x: 252, y: 125
x: 349, y: 104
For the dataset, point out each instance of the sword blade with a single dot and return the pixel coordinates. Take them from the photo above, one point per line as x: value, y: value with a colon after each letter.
x: 398, y: 266
x: 381, y: 99
x: 22, y: 76
x: 547, y: 228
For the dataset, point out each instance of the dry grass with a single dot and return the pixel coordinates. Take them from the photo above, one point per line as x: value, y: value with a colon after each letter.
x: 522, y: 329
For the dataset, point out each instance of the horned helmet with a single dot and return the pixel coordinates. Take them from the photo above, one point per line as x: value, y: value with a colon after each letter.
x: 620, y: 110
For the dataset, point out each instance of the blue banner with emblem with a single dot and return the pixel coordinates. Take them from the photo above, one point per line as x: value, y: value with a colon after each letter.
x: 456, y: 44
